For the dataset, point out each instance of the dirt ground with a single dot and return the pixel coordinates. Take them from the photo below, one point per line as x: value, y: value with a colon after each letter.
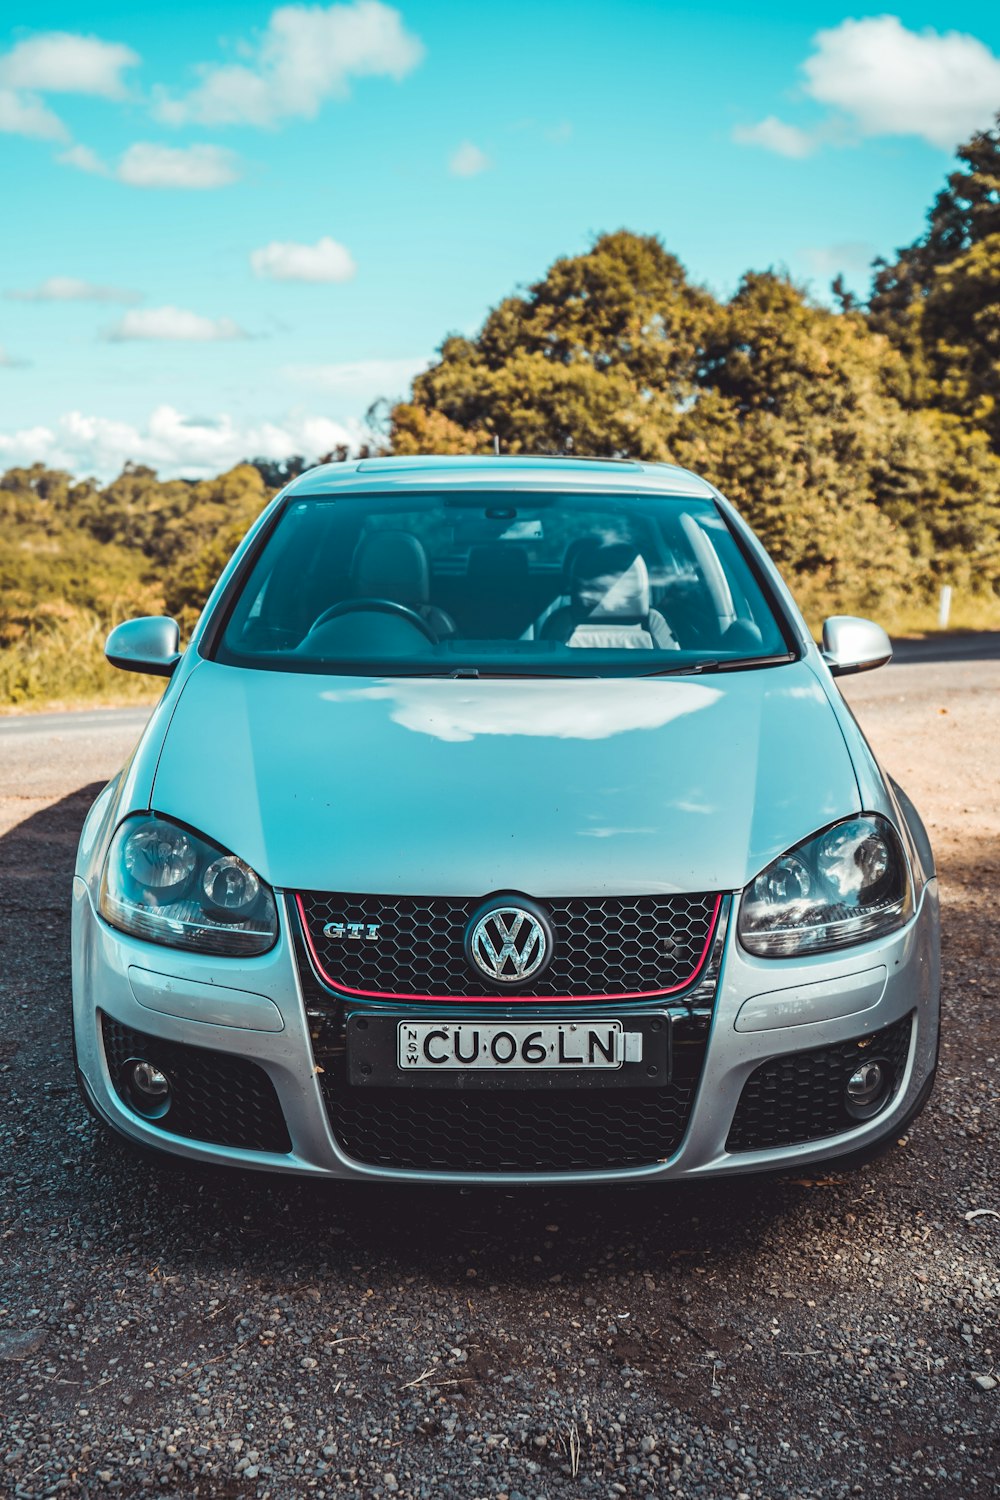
x: 201, y: 1335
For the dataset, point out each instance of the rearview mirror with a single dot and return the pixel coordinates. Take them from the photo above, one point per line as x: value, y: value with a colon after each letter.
x: 149, y: 644
x: 854, y: 645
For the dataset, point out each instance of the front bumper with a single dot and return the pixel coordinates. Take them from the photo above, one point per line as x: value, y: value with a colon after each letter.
x: 256, y: 1010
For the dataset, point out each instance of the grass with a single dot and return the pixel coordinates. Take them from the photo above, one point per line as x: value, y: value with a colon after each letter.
x: 968, y: 612
x: 917, y: 619
x: 62, y: 665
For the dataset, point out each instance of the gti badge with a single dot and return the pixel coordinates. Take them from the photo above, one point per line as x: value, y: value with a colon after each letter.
x: 355, y: 932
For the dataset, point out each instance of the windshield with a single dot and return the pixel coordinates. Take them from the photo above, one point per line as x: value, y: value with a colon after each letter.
x: 550, y: 584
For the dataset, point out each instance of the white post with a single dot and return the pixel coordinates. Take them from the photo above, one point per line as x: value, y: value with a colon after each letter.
x: 944, y: 609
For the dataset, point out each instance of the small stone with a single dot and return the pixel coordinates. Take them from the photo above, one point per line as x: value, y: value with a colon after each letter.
x: 308, y: 1363
x: 985, y: 1382
x: 19, y: 1343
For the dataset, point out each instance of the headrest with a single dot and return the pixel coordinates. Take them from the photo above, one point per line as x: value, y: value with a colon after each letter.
x: 498, y: 565
x: 578, y: 547
x: 392, y: 565
x: 610, y: 582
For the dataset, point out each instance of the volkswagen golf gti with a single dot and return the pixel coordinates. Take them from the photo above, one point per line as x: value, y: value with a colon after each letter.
x: 502, y: 821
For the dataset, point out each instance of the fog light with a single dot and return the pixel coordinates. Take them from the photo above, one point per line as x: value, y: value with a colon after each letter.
x: 147, y: 1087
x: 868, y: 1088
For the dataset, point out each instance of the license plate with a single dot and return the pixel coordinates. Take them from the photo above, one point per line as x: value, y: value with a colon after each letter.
x: 478, y: 1046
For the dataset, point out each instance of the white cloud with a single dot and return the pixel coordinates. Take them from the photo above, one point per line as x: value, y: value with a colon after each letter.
x: 468, y: 161
x: 84, y: 159
x: 305, y: 55
x: 174, y: 325
x: 286, y: 261
x: 881, y: 79
x: 9, y: 361
x: 62, y: 62
x: 146, y: 165
x: 360, y: 383
x: 852, y: 256
x: 70, y: 289
x: 22, y: 114
x: 150, y: 166
x: 171, y: 442
x: 940, y: 86
x: 774, y: 135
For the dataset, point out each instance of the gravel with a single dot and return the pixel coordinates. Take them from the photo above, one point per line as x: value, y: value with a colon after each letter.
x: 184, y: 1333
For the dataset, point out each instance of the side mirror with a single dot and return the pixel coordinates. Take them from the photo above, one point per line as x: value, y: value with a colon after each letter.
x: 149, y: 644
x: 853, y: 645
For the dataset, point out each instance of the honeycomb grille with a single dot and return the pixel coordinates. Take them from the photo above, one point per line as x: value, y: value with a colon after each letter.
x: 560, y: 1130
x: 217, y: 1098
x: 800, y: 1097
x: 615, y: 946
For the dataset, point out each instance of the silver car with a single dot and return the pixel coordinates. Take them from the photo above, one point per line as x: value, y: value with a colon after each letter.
x: 502, y: 820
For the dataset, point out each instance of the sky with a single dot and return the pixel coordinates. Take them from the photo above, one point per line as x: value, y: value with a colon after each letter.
x: 225, y: 229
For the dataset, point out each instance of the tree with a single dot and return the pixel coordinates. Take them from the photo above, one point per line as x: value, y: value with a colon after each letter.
x: 940, y: 300
x: 599, y: 356
x: 797, y: 404
x: 76, y: 559
x: 805, y: 416
x: 277, y: 472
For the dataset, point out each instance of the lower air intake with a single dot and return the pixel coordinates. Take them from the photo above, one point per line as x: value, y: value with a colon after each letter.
x: 800, y: 1097
x: 564, y: 1130
x: 214, y: 1097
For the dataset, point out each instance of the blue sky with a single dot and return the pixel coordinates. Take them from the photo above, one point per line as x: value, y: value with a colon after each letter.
x: 227, y: 228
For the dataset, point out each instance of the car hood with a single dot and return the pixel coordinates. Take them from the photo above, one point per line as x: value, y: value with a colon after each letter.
x: 466, y: 787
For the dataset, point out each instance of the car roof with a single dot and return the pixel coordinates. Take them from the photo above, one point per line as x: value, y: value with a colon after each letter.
x: 519, y: 471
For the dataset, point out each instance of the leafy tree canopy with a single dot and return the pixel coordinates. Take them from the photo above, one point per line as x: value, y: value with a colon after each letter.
x: 803, y: 415
x: 940, y: 299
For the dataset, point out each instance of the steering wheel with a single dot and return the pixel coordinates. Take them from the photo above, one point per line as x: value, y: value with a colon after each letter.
x: 376, y: 606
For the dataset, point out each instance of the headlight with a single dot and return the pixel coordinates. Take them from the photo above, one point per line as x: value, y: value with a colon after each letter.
x: 168, y: 885
x: 846, y: 885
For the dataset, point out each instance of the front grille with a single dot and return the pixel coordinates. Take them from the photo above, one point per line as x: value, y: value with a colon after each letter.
x: 217, y: 1098
x: 559, y: 1130
x: 617, y: 946
x: 800, y: 1097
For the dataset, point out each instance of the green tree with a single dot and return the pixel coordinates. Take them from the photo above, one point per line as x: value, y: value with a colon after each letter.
x: 75, y: 559
x: 806, y: 417
x: 940, y: 299
x: 797, y: 403
x: 598, y: 357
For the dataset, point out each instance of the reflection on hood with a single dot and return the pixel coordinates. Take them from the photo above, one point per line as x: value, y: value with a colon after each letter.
x: 575, y: 711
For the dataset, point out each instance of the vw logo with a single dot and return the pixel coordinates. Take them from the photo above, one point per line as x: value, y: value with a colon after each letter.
x: 509, y: 943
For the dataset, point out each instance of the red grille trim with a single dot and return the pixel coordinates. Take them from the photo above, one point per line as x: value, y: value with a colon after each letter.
x: 507, y: 999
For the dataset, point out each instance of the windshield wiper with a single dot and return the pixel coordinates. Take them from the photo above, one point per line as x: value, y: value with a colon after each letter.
x: 470, y: 674
x: 440, y: 672
x: 721, y: 664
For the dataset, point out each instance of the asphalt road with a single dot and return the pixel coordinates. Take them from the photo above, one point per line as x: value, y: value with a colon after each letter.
x: 192, y: 1334
x: 979, y: 645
